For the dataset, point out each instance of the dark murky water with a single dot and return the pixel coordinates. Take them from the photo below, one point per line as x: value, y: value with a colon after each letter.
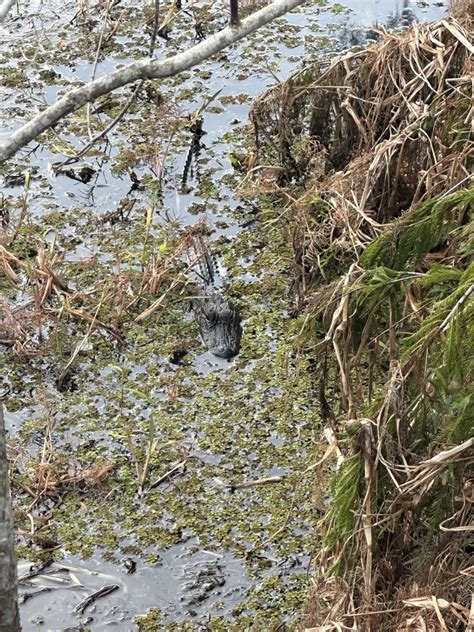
x: 189, y: 582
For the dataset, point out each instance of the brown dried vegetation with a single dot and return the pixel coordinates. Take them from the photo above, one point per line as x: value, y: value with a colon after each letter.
x: 39, y: 301
x: 372, y: 153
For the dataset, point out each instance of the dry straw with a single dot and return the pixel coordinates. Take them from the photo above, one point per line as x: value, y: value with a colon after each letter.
x: 372, y: 154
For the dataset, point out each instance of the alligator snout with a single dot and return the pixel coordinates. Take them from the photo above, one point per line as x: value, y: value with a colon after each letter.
x: 219, y: 325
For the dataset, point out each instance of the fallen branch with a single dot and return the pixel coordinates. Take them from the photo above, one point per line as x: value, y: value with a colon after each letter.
x: 88, y: 601
x: 260, y: 481
x: 143, y: 69
x: 5, y: 8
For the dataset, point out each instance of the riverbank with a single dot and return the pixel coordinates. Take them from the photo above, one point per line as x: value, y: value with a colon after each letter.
x: 370, y: 156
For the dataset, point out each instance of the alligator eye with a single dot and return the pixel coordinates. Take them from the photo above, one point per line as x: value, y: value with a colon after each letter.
x: 211, y: 316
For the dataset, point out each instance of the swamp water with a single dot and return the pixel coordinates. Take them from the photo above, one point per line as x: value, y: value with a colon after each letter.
x: 180, y: 541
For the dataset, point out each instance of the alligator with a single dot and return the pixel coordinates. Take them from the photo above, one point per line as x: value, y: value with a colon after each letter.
x: 218, y: 319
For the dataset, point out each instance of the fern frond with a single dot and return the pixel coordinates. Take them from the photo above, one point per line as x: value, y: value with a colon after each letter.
x: 345, y: 488
x: 375, y: 287
x: 407, y: 241
x: 459, y: 303
x: 438, y: 274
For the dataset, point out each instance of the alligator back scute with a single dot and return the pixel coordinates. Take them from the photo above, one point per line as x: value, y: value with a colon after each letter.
x: 218, y: 319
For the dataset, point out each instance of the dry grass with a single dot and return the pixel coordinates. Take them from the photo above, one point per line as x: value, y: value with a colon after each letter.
x: 47, y: 479
x: 372, y: 154
x: 373, y: 134
x: 120, y: 295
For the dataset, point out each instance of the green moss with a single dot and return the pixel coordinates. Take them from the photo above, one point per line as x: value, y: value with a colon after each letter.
x: 12, y: 77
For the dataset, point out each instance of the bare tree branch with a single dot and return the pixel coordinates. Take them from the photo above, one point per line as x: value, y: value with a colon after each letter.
x: 5, y: 8
x: 127, y: 105
x: 143, y: 69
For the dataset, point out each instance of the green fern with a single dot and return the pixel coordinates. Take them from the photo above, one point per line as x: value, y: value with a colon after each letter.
x: 458, y: 304
x: 345, y: 488
x: 438, y: 274
x: 376, y: 287
x: 460, y: 426
x: 410, y: 239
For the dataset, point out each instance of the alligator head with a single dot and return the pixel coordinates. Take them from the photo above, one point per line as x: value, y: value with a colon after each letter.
x: 219, y: 325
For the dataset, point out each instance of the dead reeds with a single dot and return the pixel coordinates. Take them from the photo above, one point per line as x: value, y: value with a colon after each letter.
x: 374, y: 149
x: 44, y: 295
x: 369, y: 135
